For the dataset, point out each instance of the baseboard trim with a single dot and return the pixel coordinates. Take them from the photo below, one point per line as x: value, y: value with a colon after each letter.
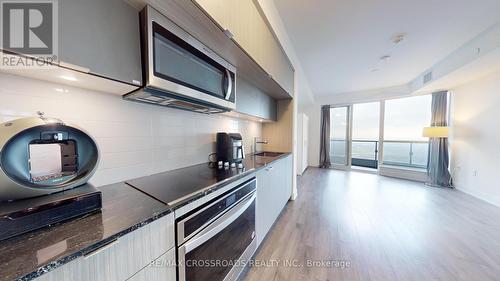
x: 494, y: 200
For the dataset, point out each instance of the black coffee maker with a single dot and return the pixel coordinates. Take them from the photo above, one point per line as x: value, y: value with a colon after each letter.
x: 230, y: 148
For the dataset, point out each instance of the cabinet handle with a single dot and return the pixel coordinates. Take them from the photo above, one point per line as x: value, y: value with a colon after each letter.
x: 102, y: 248
x: 269, y: 168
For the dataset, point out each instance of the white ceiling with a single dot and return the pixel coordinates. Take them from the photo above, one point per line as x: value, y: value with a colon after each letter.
x: 339, y: 42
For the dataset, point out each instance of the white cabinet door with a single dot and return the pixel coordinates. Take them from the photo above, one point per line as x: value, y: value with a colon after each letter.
x: 283, y: 180
x: 161, y: 269
x: 289, y: 174
x: 278, y: 188
x: 274, y: 187
x: 264, y: 207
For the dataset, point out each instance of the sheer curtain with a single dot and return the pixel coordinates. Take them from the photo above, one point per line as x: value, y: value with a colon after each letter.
x: 324, y: 152
x: 439, y: 174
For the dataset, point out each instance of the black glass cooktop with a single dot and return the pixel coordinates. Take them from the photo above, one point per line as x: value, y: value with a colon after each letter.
x: 174, y: 186
x: 179, y: 185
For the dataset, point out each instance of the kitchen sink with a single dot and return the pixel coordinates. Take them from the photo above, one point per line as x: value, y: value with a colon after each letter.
x: 268, y: 154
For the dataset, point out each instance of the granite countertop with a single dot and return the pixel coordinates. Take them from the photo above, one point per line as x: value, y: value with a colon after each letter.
x: 32, y: 254
x: 179, y: 187
x: 29, y: 255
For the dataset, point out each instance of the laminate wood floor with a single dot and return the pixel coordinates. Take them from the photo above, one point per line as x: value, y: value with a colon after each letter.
x: 385, y: 228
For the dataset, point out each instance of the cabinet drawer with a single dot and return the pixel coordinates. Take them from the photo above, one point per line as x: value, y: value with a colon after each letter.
x: 161, y: 269
x: 120, y: 259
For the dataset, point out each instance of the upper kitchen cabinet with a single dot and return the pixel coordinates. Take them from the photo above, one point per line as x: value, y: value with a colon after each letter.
x: 101, y: 38
x: 246, y: 23
x: 199, y: 23
x: 251, y: 101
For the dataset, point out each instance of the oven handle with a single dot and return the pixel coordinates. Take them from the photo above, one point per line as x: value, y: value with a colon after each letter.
x: 181, y: 224
x: 218, y: 225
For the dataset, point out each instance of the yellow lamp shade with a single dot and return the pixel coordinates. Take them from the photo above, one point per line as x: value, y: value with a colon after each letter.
x: 436, y: 132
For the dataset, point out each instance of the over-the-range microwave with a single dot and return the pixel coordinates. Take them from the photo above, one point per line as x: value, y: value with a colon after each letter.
x: 181, y: 72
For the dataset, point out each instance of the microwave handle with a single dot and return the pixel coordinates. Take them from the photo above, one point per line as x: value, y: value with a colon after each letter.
x: 218, y: 225
x: 229, y: 88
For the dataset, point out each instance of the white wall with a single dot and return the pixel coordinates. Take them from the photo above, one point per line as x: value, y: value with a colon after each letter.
x: 476, y: 138
x: 134, y: 139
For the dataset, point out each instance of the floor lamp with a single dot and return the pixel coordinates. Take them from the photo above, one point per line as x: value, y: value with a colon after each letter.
x: 435, y: 132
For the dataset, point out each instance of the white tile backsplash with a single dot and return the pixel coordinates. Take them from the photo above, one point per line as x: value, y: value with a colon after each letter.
x: 134, y: 139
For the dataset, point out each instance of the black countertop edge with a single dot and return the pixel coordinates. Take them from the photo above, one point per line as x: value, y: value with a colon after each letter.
x: 82, y: 252
x: 189, y: 198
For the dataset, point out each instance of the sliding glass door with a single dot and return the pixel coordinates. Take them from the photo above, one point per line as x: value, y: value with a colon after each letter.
x: 365, y: 135
x: 339, y: 136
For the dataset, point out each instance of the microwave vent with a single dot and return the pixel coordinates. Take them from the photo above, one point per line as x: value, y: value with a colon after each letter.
x: 163, y: 100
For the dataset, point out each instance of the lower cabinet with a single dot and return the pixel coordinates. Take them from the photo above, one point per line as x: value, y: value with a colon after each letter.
x: 121, y: 259
x: 161, y: 269
x: 148, y: 253
x: 274, y: 188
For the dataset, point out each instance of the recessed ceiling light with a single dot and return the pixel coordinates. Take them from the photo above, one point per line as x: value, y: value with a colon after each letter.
x: 397, y: 38
x: 385, y: 58
x: 69, y: 78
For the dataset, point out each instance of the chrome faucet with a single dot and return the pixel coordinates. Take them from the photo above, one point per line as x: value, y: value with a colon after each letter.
x: 256, y: 141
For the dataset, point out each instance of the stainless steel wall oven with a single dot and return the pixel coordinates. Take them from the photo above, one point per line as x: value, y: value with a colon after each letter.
x: 216, y: 240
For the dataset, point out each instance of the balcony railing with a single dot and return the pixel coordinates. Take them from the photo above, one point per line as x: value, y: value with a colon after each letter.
x: 413, y: 154
x: 365, y: 153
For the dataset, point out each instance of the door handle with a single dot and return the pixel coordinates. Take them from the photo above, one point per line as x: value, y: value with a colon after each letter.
x: 181, y: 224
x: 229, y: 89
x: 219, y: 225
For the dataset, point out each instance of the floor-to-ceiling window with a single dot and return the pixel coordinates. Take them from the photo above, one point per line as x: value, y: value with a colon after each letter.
x: 387, y: 132
x: 404, y: 120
